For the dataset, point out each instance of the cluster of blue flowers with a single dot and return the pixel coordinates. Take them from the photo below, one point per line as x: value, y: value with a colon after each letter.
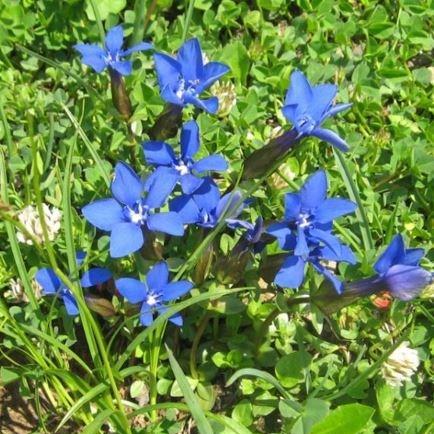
x: 181, y: 191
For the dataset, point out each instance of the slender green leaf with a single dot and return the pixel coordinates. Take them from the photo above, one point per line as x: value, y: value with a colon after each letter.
x: 96, y: 424
x: 89, y: 146
x: 197, y: 413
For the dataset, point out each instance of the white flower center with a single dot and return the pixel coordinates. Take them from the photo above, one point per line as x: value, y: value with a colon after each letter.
x: 303, y: 221
x: 182, y: 168
x: 152, y: 299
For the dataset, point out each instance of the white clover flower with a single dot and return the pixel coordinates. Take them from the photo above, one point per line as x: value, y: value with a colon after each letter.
x: 225, y: 92
x: 400, y: 365
x: 17, y: 290
x: 29, y: 218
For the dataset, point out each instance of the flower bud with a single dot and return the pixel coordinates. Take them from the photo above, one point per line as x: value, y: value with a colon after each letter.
x: 264, y: 159
x: 167, y: 123
x: 120, y: 97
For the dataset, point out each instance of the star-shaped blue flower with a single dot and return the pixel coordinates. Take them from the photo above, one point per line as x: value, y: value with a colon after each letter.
x: 112, y: 55
x: 182, y: 166
x: 128, y: 215
x: 307, y: 107
x: 52, y: 285
x: 399, y: 268
x: 205, y: 207
x: 183, y: 79
x: 306, y: 230
x: 154, y: 293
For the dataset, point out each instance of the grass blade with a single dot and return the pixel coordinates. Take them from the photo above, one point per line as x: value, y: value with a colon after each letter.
x: 57, y: 65
x: 353, y: 192
x: 251, y: 372
x: 89, y: 146
x: 12, y: 237
x: 178, y: 307
x: 95, y: 425
x: 197, y: 413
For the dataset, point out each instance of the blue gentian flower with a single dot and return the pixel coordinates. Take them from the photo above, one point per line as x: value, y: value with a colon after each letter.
x: 112, y: 55
x: 52, y: 285
x: 183, y: 79
x: 306, y: 230
x: 128, y: 214
x: 399, y: 268
x: 205, y: 207
x: 154, y: 292
x: 307, y: 107
x: 183, y: 167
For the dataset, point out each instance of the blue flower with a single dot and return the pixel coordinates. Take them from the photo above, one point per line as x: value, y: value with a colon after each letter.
x: 52, y: 285
x: 154, y: 292
x: 399, y: 269
x: 183, y: 167
x: 128, y: 214
x: 306, y: 231
x: 183, y: 79
x: 307, y: 107
x: 205, y: 207
x: 112, y: 55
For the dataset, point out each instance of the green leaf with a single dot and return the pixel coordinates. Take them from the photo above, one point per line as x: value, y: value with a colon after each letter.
x: 95, y: 425
x: 197, y: 413
x: 290, y: 369
x: 348, y: 419
x: 314, y: 411
x: 105, y: 7
x: 236, y: 56
x: 9, y: 375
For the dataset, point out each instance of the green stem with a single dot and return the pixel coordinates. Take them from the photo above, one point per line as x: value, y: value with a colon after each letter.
x: 98, y: 21
x: 187, y: 19
x: 193, y: 352
x: 353, y: 192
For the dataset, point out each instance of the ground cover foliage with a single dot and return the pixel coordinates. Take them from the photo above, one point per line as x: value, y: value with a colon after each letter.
x: 234, y: 348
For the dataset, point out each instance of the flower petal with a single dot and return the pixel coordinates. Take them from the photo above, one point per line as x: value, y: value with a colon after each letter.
x: 168, y: 70
x: 158, y: 153
x: 142, y: 46
x: 114, y: 39
x: 164, y: 181
x: 124, y: 67
x: 174, y: 290
x: 126, y: 187
x: 190, y: 183
x: 291, y: 274
x: 299, y: 91
x: 212, y: 163
x: 207, y: 196
x: 412, y: 256
x: 70, y: 303
x: 167, y: 222
x: 158, y: 276
x: 332, y: 208
x: 190, y: 58
x: 330, y: 137
x: 331, y: 277
x: 146, y: 315
x: 230, y: 205
x: 323, y: 96
x: 281, y: 231
x: 95, y: 276
x: 186, y: 208
x: 48, y: 280
x: 189, y: 139
x: 406, y: 282
x: 125, y: 238
x: 314, y: 190
x: 394, y: 251
x: 301, y: 248
x: 103, y: 213
x: 133, y: 290
x: 90, y: 50
x: 210, y: 105
x: 292, y: 206
x: 174, y: 319
x: 337, y: 109
x: 327, y: 238
x: 212, y: 71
